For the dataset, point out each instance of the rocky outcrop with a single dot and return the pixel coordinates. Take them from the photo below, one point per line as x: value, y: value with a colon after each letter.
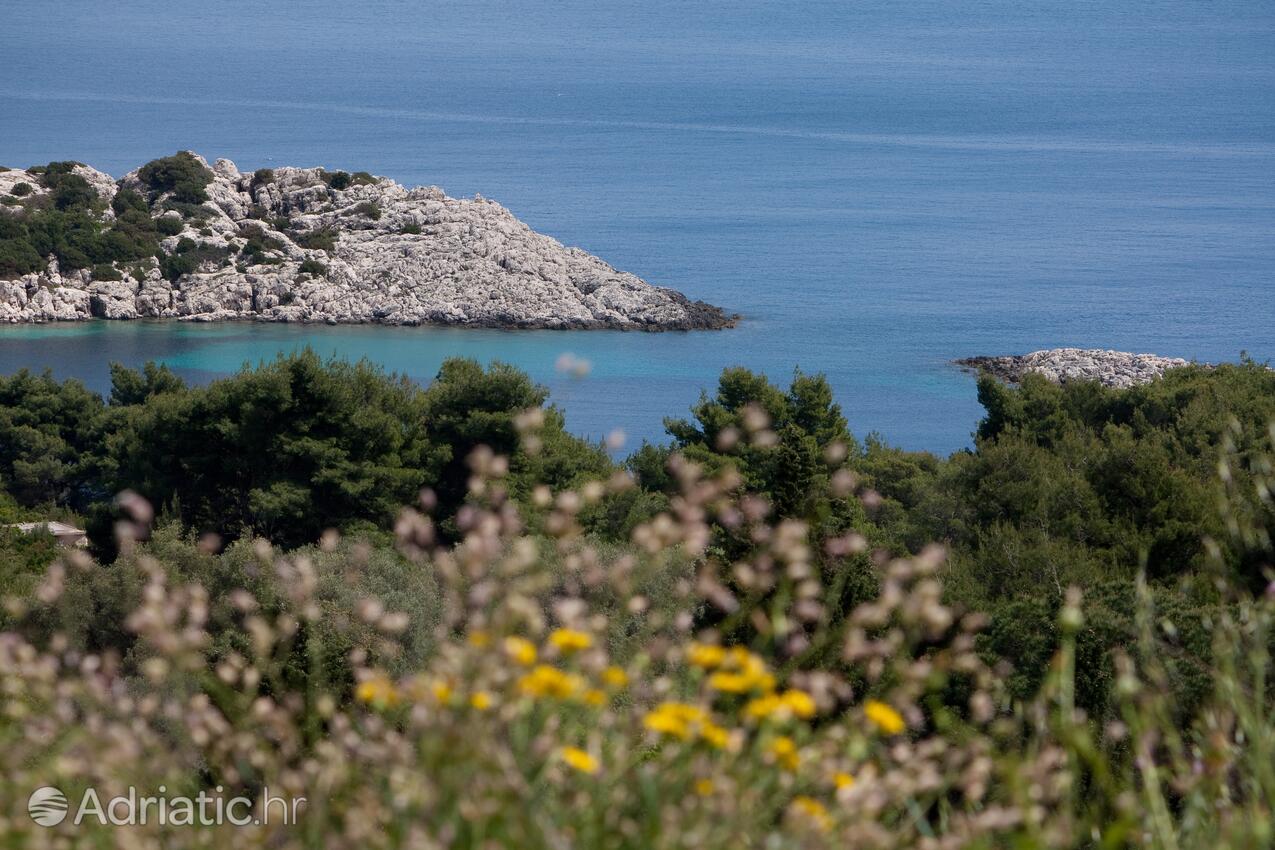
x: 297, y: 245
x: 1064, y: 365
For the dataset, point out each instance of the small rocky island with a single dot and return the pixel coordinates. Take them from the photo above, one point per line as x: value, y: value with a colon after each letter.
x: 178, y: 238
x: 1064, y: 365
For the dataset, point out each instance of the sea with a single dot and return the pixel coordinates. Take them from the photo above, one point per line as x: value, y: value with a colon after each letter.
x: 875, y: 187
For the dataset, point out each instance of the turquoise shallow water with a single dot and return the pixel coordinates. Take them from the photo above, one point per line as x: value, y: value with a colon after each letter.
x: 877, y: 187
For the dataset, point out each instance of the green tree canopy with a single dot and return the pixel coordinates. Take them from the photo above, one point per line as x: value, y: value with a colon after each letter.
x: 287, y: 449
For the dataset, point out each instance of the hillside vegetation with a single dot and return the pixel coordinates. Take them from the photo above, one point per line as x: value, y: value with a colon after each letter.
x: 764, y: 633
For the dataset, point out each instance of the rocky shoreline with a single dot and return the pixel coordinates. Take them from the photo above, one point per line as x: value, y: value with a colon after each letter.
x: 309, y: 245
x: 1065, y: 365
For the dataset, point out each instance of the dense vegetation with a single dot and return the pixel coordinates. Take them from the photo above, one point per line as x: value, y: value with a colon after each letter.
x: 70, y: 223
x: 1066, y: 486
x: 747, y: 640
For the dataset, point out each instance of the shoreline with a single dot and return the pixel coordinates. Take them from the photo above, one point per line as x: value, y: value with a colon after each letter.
x: 730, y: 321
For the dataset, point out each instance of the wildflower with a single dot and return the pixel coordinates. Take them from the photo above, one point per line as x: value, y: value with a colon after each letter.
x: 884, y: 717
x: 595, y: 697
x: 705, y: 655
x: 684, y: 710
x: 678, y: 719
x: 812, y: 809
x: 784, y: 749
x: 666, y: 724
x: 843, y: 780
x: 704, y: 787
x: 615, y: 677
x: 480, y: 701
x: 742, y: 672
x: 741, y: 683
x: 479, y: 639
x: 546, y: 681
x: 441, y: 690
x: 730, y: 683
x: 378, y: 691
x: 521, y: 650
x: 762, y: 707
x: 715, y: 736
x: 799, y: 703
x: 570, y: 640
x: 789, y: 704
x: 579, y: 760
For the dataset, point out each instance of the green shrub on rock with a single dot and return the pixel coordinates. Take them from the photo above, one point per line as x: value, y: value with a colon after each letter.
x: 337, y: 179
x: 182, y: 175
x: 318, y: 240
x: 173, y: 266
x: 168, y: 225
x: 105, y: 271
x: 258, y: 245
x: 18, y: 257
x: 313, y: 267
x: 69, y: 190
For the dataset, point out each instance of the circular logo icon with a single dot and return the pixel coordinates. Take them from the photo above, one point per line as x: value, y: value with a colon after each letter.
x: 47, y: 806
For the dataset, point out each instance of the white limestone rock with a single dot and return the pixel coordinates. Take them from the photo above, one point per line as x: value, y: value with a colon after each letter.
x: 388, y: 254
x: 1065, y: 365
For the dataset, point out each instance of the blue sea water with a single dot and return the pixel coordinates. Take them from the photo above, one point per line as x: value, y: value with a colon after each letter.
x: 877, y: 187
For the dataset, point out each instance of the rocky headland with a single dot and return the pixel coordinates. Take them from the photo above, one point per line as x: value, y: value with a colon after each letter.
x: 181, y: 239
x: 1064, y: 365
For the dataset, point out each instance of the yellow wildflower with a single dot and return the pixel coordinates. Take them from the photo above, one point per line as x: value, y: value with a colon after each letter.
x: 570, y: 640
x: 678, y: 719
x: 521, y: 650
x: 546, y: 681
x: 480, y: 700
x: 667, y: 724
x: 579, y: 759
x: 741, y: 683
x: 730, y: 683
x: 742, y: 672
x: 814, y: 810
x: 377, y: 690
x: 479, y: 639
x: 705, y: 655
x: 785, y: 706
x: 704, y: 787
x: 884, y: 717
x: 715, y: 736
x: 799, y: 703
x: 615, y: 677
x: 739, y: 658
x: 595, y: 697
x: 784, y: 749
x: 843, y: 780
x: 684, y: 710
x: 762, y: 707
x: 441, y: 690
